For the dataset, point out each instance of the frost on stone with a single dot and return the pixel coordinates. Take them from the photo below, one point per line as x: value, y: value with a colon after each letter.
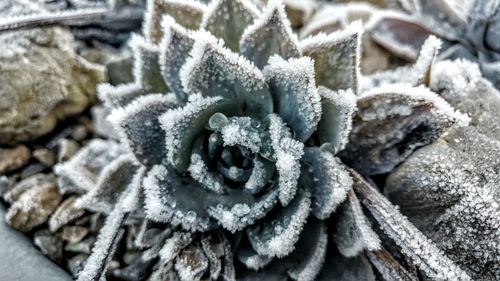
x: 336, y: 119
x: 187, y: 13
x: 213, y: 70
x: 146, y: 68
x: 287, y: 152
x: 140, y: 129
x: 310, y: 252
x: 80, y: 174
x: 455, y: 177
x: 353, y: 233
x: 394, y: 120
x: 236, y: 14
x: 399, y: 33
x: 183, y: 125
x: 242, y: 215
x: 270, y: 35
x: 326, y: 178
x: 413, y: 243
x: 110, y: 234
x: 175, y: 47
x: 277, y: 234
x: 336, y: 57
x: 295, y: 94
x: 110, y: 185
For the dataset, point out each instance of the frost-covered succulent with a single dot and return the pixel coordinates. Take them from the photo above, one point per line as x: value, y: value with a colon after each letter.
x: 239, y: 158
x: 469, y: 29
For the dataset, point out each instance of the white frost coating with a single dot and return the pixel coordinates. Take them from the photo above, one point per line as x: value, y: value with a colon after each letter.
x: 421, y: 93
x: 191, y: 264
x: 241, y: 215
x: 83, y: 168
x: 352, y: 32
x: 252, y: 260
x: 297, y: 74
x: 13, y: 22
x: 274, y: 7
x: 281, y: 241
x: 257, y: 179
x: 112, y: 95
x: 331, y: 182
x: 216, y: 5
x: 174, y: 245
x: 428, y: 53
x: 139, y: 45
x: 207, y: 49
x: 154, y: 208
x: 310, y: 270
x: 105, y: 246
x: 199, y: 172
x: 344, y: 106
x: 176, y: 121
x: 423, y: 252
x: 458, y: 77
x: 364, y: 237
x: 237, y: 132
x: 287, y: 153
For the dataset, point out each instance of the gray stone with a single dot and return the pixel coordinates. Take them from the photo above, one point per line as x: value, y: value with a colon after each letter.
x: 49, y: 244
x: 20, y: 260
x: 13, y: 158
x: 79, y: 132
x: 65, y: 213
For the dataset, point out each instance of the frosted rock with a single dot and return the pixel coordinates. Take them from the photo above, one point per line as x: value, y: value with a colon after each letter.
x: 65, y: 213
x: 14, y: 158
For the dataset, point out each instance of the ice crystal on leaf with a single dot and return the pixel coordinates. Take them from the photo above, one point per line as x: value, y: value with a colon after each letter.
x: 230, y: 133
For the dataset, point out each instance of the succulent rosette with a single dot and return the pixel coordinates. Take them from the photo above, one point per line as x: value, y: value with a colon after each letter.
x: 228, y: 136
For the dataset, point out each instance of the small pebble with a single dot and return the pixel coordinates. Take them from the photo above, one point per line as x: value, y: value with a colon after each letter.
x: 79, y: 133
x: 44, y: 156
x: 13, y: 158
x: 76, y: 263
x: 65, y: 213
x: 66, y: 149
x: 84, y: 246
x: 32, y: 169
x: 49, y: 244
x: 74, y: 234
x: 18, y: 189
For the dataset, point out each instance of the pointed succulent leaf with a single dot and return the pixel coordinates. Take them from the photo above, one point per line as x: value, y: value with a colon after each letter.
x: 287, y: 152
x: 336, y: 120
x: 391, y: 122
x: 415, y: 245
x: 110, y: 234
x: 199, y: 171
x: 336, y: 57
x: 146, y: 66
x: 310, y: 252
x: 228, y: 272
x: 140, y: 128
x: 179, y: 200
x: 183, y: 125
x: 339, y: 268
x: 192, y: 263
x: 213, y: 70
x: 174, y: 245
x: 252, y: 260
x: 398, y: 33
x: 262, y: 172
x: 119, y: 95
x: 423, y: 67
x: 239, y: 216
x: 228, y: 19
x: 353, y: 233
x: 81, y: 173
x: 214, y: 251
x: 326, y: 178
x: 174, y: 51
x: 111, y: 183
x: 294, y: 93
x: 186, y: 13
x: 389, y: 267
x: 277, y: 234
x: 270, y: 35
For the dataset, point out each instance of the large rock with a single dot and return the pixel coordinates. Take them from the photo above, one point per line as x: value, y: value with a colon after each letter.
x: 43, y: 80
x: 20, y: 260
